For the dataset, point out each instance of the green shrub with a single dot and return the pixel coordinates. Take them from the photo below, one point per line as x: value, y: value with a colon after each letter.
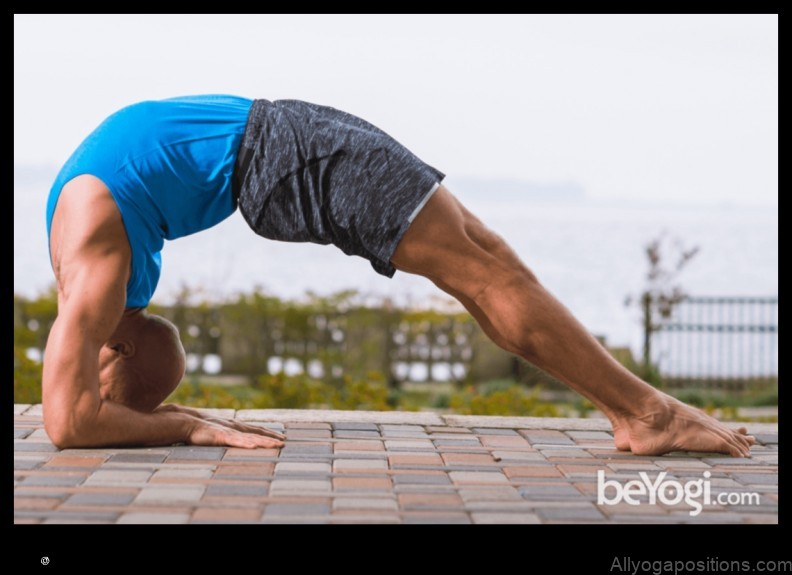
x: 497, y: 399
x: 27, y: 378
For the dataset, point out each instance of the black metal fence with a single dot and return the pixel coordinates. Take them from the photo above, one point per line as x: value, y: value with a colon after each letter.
x: 729, y: 342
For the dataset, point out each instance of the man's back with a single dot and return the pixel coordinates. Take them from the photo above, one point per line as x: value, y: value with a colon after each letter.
x: 168, y: 165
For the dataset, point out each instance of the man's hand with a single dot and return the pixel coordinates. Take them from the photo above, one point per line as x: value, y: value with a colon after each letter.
x: 210, y: 430
x: 210, y: 433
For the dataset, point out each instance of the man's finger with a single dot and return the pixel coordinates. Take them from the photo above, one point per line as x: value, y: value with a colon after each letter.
x: 248, y: 440
x: 247, y: 428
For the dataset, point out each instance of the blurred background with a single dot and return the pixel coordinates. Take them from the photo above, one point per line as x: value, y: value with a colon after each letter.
x: 631, y: 161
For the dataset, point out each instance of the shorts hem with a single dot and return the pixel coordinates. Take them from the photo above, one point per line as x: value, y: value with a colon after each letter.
x: 382, y: 263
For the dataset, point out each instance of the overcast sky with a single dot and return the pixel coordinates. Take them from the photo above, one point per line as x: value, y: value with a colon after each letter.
x: 679, y: 108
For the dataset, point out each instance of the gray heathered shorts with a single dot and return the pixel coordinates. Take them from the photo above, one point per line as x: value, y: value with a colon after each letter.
x: 308, y: 173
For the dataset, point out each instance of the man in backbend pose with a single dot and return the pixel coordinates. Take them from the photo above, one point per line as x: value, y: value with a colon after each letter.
x: 298, y: 172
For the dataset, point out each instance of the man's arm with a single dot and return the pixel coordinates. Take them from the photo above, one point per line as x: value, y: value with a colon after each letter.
x: 91, y: 258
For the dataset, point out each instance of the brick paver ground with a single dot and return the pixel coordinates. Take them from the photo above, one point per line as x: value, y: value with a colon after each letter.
x: 382, y: 467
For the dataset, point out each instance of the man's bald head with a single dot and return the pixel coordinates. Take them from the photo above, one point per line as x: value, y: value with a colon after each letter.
x: 142, y: 362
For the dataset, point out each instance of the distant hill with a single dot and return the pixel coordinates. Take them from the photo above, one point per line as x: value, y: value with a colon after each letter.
x: 504, y: 189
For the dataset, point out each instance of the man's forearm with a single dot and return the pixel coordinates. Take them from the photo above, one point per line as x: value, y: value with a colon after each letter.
x: 114, y: 424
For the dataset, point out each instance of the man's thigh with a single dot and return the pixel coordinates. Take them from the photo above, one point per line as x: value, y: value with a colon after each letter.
x: 449, y: 245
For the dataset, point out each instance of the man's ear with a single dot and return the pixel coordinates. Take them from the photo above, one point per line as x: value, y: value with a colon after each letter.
x: 124, y: 347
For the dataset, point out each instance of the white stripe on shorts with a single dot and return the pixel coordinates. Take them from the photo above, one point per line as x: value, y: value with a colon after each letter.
x: 423, y: 202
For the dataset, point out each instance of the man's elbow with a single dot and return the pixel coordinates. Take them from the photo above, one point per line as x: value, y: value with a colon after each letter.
x: 70, y: 430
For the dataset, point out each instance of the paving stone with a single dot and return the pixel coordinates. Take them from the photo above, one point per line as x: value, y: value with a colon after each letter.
x: 582, y: 471
x: 355, y: 446
x: 35, y: 502
x: 377, y: 503
x: 550, y: 441
x: 170, y: 518
x: 731, y: 461
x: 551, y: 454
x: 291, y: 486
x: 604, y: 435
x: 35, y: 410
x: 40, y: 434
x: 529, y: 423
x: 308, y: 425
x: 237, y: 453
x: 456, y: 459
x: 225, y: 515
x: 39, y: 492
x: 20, y: 408
x: 584, y: 512
x: 499, y: 506
x: 138, y: 458
x: 361, y: 484
x: 429, y: 500
x: 51, y: 480
x: 623, y: 508
x: 355, y: 426
x: 169, y: 474
x: 27, y: 463
x: 74, y: 461
x: 118, y: 477
x: 59, y: 516
x: 502, y: 455
x: 421, y: 479
x: 187, y: 493
x: 549, y: 492
x: 301, y: 468
x: 414, y: 460
x: 298, y: 450
x: 100, y: 499
x: 505, y: 441
x: 493, y: 493
x: 292, y: 433
x: 766, y: 438
x: 494, y: 431
x: 412, y: 428
x: 461, y: 442
x: 296, y: 509
x: 21, y: 433
x: 756, y: 478
x: 352, y: 434
x: 444, y: 429
x: 680, y: 463
x: 356, y: 516
x: 477, y: 477
x: 405, y: 435
x: 531, y: 471
x: 196, y: 453
x: 409, y: 445
x: 27, y: 445
x: 259, y: 489
x: 359, y: 465
x: 505, y: 518
x: 634, y: 467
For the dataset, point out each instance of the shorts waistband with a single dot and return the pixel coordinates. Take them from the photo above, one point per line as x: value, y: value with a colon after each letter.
x: 247, y: 147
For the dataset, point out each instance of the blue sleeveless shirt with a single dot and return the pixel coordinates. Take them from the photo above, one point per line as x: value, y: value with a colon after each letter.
x: 168, y: 165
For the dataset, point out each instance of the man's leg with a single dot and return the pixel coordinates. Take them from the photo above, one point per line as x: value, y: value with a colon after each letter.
x: 451, y: 247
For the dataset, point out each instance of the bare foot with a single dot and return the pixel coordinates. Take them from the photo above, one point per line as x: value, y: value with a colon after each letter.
x: 621, y: 434
x: 670, y: 425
